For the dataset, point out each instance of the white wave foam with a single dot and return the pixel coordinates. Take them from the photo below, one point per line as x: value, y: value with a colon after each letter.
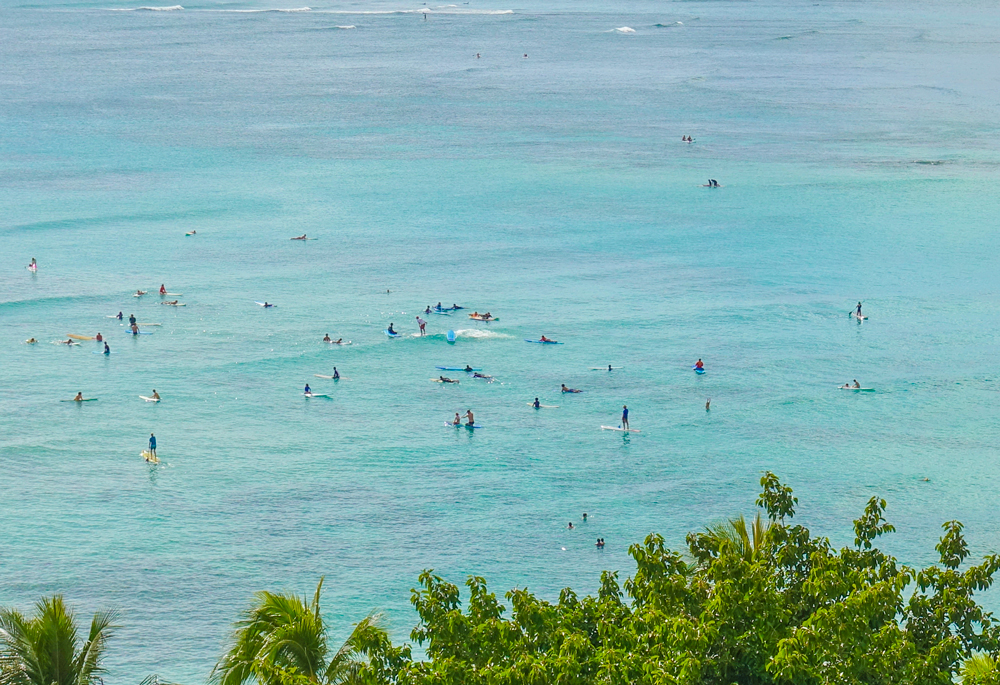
x: 296, y: 9
x: 423, y: 10
x: 625, y: 29
x: 352, y: 26
x: 172, y: 8
x: 479, y: 333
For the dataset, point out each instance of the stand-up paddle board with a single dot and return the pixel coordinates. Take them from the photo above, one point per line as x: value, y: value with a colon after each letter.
x: 150, y: 399
x: 858, y: 389
x: 89, y: 399
x: 149, y: 457
x: 137, y: 332
x: 461, y: 425
x: 697, y: 370
x: 619, y: 429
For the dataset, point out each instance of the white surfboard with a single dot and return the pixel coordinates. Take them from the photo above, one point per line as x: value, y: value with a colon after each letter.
x: 150, y: 399
x: 544, y: 406
x: 620, y: 430
x: 314, y: 394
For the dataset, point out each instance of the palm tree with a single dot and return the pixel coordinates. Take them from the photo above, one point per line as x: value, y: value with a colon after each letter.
x: 46, y: 649
x: 281, y: 640
x: 738, y: 538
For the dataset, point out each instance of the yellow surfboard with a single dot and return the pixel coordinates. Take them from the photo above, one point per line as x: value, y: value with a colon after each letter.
x: 149, y: 457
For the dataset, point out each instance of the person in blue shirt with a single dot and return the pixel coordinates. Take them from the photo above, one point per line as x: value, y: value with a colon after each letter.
x: 308, y: 390
x: 336, y: 374
x: 625, y: 416
x: 152, y: 444
x: 107, y: 350
x: 536, y: 404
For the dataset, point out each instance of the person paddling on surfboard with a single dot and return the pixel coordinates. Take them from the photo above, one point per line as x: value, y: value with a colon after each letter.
x: 79, y: 397
x: 469, y: 416
x: 152, y: 445
x: 155, y: 395
x: 565, y: 389
x: 422, y: 324
x: 544, y: 339
x: 625, y: 417
x: 536, y: 404
x: 699, y: 364
x: 857, y: 312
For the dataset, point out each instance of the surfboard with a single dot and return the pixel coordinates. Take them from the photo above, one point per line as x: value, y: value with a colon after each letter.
x: 603, y: 368
x: 319, y: 375
x: 462, y: 425
x: 63, y: 342
x: 442, y: 312
x: 620, y: 430
x: 334, y: 342
x: 129, y: 331
x: 171, y: 294
x: 265, y: 305
x: 544, y: 342
x: 479, y: 318
x: 543, y: 406
x: 89, y: 399
x: 171, y: 304
x: 80, y: 337
x: 110, y: 316
x: 108, y: 352
x: 858, y: 389
x: 456, y: 368
x: 149, y: 399
x: 571, y: 391
x: 314, y: 394
x: 189, y: 234
x: 140, y: 294
x: 451, y: 336
x: 392, y: 335
x: 149, y: 457
x: 697, y: 370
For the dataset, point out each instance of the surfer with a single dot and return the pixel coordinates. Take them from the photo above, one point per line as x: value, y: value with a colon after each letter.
x: 79, y: 397
x: 135, y: 329
x: 173, y: 302
x: 336, y: 374
x: 266, y: 304
x: 308, y: 390
x: 301, y: 237
x: 428, y: 310
x: 536, y: 404
x: 544, y: 339
x: 469, y: 416
x: 457, y: 421
x: 422, y: 324
x: 34, y: 264
x: 699, y: 365
x: 442, y: 379
x: 140, y: 293
x: 131, y: 319
x: 708, y: 404
x: 600, y: 543
x: 155, y: 395
x: 326, y: 338
x: 119, y: 317
x: 856, y: 384
x: 609, y: 367
x: 468, y: 369
x: 482, y: 375
x: 163, y: 289
x: 31, y: 341
x: 107, y: 350
x: 152, y: 445
x: 99, y: 338
x: 625, y: 416
x: 67, y: 341
x: 570, y: 526
x: 439, y: 307
x: 565, y: 389
x: 585, y: 517
x: 391, y: 331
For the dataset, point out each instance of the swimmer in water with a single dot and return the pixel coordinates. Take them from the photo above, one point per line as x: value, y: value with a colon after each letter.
x: 79, y: 397
x: 536, y: 404
x: 609, y: 367
x: 326, y: 338
x: 570, y: 526
x: 600, y: 543
x: 99, y: 338
x: 585, y: 516
x: 708, y: 404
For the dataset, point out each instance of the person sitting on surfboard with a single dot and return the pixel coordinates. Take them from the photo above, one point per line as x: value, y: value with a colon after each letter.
x: 155, y: 395
x: 565, y: 389
x: 119, y: 317
x: 308, y: 390
x: 131, y: 319
x: 326, y: 338
x: 457, y: 421
x: 439, y: 307
x: 107, y: 350
x: 536, y: 404
x: 163, y: 289
x: 79, y: 397
x: 468, y: 415
x: 468, y: 369
x: 391, y: 332
x: 336, y: 374
x: 699, y: 364
x: 856, y: 384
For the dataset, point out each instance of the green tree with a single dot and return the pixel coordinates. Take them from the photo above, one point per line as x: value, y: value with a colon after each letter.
x: 45, y: 649
x: 282, y: 640
x: 764, y: 603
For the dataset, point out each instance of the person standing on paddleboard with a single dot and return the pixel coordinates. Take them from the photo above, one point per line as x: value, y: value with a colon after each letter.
x: 152, y: 444
x: 625, y: 416
x: 421, y: 323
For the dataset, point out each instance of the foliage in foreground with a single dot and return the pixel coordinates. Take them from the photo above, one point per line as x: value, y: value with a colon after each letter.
x: 45, y: 649
x: 764, y: 602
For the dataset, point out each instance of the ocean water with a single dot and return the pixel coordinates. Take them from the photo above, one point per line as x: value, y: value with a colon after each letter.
x: 857, y: 148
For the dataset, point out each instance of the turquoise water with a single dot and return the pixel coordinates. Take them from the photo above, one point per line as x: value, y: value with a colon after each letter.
x: 857, y: 147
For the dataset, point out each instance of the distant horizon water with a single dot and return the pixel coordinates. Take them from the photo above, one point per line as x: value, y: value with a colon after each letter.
x: 522, y: 160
